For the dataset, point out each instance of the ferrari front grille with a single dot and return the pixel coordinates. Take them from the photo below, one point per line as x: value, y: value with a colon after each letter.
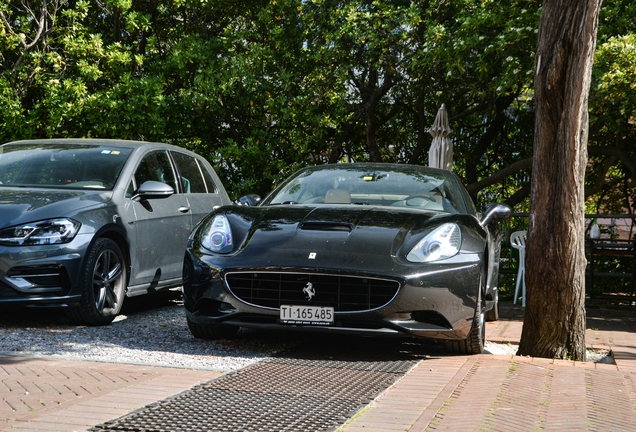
x: 343, y: 293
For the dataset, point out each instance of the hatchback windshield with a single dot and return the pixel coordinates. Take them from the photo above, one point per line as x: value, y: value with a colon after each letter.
x: 59, y: 165
x: 410, y: 187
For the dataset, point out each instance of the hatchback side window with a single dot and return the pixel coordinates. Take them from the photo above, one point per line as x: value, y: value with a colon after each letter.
x: 191, y: 179
x: 208, y: 179
x: 155, y: 166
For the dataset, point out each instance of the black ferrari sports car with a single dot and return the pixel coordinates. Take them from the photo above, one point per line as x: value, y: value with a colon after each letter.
x: 370, y: 249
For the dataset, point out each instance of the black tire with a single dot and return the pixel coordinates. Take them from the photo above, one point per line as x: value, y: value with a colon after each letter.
x: 103, y: 285
x: 493, y: 314
x: 212, y: 331
x: 474, y: 343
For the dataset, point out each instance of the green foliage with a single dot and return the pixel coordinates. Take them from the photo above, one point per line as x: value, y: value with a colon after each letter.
x: 264, y: 87
x: 612, y: 115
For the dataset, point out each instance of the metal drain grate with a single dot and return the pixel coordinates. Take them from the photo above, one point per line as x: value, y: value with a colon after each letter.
x: 308, y: 389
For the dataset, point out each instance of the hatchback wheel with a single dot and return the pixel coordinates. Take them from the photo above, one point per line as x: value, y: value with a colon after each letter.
x: 103, y: 285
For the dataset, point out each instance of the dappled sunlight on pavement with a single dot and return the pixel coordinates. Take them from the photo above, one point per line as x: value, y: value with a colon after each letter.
x: 496, y: 390
x: 508, y: 392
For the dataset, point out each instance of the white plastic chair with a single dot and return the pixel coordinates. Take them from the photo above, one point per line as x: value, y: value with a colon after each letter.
x: 518, y: 241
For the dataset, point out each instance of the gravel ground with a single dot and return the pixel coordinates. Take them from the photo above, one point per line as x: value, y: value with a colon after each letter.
x: 157, y: 336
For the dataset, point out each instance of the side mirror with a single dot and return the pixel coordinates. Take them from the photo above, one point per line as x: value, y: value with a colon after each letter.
x: 249, y: 200
x: 496, y: 212
x: 153, y: 190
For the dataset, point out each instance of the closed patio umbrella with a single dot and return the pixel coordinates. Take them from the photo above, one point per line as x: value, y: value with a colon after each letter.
x: 440, y: 154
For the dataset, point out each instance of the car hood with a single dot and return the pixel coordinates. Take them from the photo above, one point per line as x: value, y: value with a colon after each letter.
x: 21, y: 206
x: 332, y: 236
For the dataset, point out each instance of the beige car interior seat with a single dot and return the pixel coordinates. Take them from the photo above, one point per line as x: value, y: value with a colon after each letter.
x: 337, y: 196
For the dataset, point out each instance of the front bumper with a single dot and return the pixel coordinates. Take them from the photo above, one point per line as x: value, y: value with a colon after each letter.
x: 434, y: 301
x: 42, y: 275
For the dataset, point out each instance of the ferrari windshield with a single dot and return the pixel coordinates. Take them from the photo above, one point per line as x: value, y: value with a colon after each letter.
x: 68, y: 166
x: 391, y: 185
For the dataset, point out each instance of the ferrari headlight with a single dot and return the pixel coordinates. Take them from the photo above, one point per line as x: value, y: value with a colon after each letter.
x: 218, y: 237
x: 443, y: 242
x: 46, y: 232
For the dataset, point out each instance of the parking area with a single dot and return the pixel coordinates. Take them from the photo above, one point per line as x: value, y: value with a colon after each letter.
x: 433, y: 392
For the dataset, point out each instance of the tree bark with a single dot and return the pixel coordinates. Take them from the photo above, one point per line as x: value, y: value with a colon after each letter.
x: 554, y: 321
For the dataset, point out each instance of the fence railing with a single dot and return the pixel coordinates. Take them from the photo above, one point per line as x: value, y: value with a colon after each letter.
x: 612, y: 225
x: 611, y: 274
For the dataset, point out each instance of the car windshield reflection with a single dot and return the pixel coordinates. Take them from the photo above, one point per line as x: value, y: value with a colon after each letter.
x: 404, y: 187
x: 61, y: 166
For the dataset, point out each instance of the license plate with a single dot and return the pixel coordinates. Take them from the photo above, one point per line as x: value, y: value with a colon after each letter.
x: 307, y: 315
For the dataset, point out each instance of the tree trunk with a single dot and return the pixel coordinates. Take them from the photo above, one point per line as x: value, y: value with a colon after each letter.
x: 554, y: 322
x: 372, y: 140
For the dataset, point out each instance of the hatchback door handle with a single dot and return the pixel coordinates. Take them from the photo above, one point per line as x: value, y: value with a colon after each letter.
x: 184, y: 209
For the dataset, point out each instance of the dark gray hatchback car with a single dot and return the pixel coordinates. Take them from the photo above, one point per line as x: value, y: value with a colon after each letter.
x: 86, y: 222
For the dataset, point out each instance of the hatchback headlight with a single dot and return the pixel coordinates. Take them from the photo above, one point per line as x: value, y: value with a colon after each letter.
x: 218, y: 235
x: 46, y: 232
x: 443, y: 242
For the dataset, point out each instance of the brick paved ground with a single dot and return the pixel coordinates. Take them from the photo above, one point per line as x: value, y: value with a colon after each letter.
x: 464, y: 393
x: 513, y: 393
x: 69, y: 395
